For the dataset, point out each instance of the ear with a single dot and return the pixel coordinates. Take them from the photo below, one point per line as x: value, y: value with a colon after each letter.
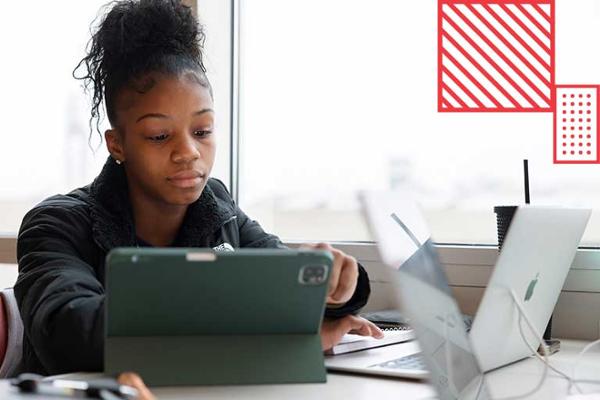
x: 114, y: 144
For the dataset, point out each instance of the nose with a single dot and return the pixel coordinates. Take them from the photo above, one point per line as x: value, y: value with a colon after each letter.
x: 185, y: 150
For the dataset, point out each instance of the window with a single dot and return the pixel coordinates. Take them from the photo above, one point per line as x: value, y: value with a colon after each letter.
x: 45, y: 124
x: 340, y: 96
x: 45, y: 112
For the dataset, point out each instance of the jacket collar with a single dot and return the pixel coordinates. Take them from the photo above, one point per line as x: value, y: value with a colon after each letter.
x: 112, y: 216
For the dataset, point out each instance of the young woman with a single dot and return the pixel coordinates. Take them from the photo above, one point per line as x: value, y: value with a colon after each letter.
x: 145, y: 67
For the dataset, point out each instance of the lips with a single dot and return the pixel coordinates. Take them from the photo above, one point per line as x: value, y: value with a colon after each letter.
x: 186, y: 179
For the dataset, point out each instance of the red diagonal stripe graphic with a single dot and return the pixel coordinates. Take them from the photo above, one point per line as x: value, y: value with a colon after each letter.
x: 523, y: 43
x: 542, y: 12
x: 480, y: 68
x: 457, y: 98
x: 463, y: 87
x: 533, y: 20
x: 446, y: 104
x: 520, y: 56
x: 446, y: 99
x: 518, y: 21
x: 487, y: 58
x: 471, y: 78
x: 498, y: 52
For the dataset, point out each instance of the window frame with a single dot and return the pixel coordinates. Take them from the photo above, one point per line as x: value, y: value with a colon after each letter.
x: 234, y: 152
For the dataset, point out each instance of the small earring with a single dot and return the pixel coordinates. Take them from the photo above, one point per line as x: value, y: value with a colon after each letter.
x: 118, y: 162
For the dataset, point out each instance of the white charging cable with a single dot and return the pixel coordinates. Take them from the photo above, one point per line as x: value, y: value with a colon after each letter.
x: 573, y: 381
x: 523, y: 315
x: 544, y: 359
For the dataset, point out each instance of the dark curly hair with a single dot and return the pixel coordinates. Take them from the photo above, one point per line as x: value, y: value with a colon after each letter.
x: 136, y: 38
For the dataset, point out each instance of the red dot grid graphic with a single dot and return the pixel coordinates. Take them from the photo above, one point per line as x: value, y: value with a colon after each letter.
x: 499, y: 56
x: 583, y: 119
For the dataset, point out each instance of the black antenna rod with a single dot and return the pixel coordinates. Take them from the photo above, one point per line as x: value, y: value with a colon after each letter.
x: 526, y: 179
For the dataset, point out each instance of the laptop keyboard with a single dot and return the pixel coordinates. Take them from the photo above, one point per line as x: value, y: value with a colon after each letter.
x: 414, y: 361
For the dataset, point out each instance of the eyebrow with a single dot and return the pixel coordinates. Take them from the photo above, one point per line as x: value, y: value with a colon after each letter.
x: 163, y: 116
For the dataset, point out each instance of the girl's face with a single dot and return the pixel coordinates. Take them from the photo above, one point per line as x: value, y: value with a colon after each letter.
x: 165, y: 139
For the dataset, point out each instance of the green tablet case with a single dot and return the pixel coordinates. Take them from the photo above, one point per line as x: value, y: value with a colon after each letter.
x: 195, y: 316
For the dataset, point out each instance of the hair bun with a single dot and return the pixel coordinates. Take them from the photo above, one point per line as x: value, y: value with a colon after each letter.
x: 139, y: 29
x: 136, y: 37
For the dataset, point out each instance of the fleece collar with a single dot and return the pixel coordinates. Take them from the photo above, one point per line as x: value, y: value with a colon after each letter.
x: 112, y: 216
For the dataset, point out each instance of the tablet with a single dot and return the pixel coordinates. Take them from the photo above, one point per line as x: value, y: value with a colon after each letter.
x: 196, y: 316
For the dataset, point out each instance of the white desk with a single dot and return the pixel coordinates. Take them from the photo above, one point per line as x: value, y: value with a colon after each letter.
x: 508, y: 381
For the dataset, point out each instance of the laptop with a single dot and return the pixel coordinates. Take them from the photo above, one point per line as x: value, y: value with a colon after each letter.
x: 534, y: 262
x: 405, y: 245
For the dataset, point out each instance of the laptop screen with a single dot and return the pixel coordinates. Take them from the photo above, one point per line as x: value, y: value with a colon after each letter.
x: 424, y: 295
x: 427, y: 300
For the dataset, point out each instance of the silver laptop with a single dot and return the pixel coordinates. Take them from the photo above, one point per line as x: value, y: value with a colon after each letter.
x: 404, y: 244
x: 536, y: 257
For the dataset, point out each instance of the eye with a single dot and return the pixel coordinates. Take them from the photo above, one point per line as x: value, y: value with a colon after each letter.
x: 158, y: 138
x: 201, y: 133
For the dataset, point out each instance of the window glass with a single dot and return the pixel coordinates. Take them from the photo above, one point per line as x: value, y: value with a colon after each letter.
x: 339, y: 96
x: 47, y: 147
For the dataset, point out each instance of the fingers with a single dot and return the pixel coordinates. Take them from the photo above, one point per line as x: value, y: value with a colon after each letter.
x: 336, y: 271
x: 347, y: 281
x: 132, y: 379
x: 334, y: 275
x: 316, y: 246
x: 332, y: 331
x: 363, y: 327
x: 343, y: 277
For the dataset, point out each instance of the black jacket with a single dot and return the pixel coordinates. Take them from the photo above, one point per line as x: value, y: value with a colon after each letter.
x: 61, y: 250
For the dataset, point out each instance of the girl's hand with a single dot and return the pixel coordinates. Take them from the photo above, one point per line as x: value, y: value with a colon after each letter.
x: 343, y: 277
x: 333, y: 330
x: 132, y: 379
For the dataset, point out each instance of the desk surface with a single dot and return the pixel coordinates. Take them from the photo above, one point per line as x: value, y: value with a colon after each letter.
x: 512, y: 380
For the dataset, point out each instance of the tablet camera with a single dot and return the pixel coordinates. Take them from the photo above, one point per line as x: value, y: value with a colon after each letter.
x: 313, y: 275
